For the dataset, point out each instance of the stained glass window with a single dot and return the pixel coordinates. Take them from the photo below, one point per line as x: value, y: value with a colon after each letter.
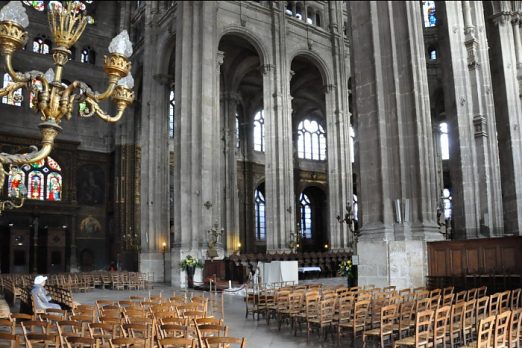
x: 428, y: 9
x: 36, y: 85
x: 306, y: 216
x: 87, y: 56
x: 54, y: 187
x: 41, y: 45
x: 16, y: 183
x: 444, y: 141
x: 14, y: 98
x: 446, y: 201
x: 259, y: 131
x: 260, y: 214
x: 41, y: 180
x: 237, y: 131
x: 172, y: 111
x: 36, y: 185
x: 311, y: 140
x: 37, y: 5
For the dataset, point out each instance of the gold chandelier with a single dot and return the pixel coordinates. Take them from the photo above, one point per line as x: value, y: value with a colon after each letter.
x: 55, y: 100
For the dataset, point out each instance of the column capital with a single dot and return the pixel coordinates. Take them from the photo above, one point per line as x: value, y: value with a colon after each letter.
x: 220, y: 58
x: 329, y: 88
x: 501, y: 18
x: 266, y: 68
x: 480, y: 123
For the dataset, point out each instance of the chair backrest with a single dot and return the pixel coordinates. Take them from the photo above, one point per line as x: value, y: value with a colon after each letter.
x: 472, y: 294
x: 210, y: 330
x: 447, y: 300
x: 222, y: 342
x: 436, y: 292
x: 440, y: 324
x: 504, y: 300
x: 494, y: 304
x: 482, y: 308
x: 7, y: 325
x: 422, y: 304
x: 360, y: 312
x: 389, y: 316
x: 501, y: 330
x: 172, y: 330
x: 481, y: 292
x: 423, y: 327
x: 448, y: 290
x: 515, y: 325
x: 456, y: 317
x: 177, y: 342
x: 435, y: 302
x: 460, y: 296
x: 123, y: 342
x: 485, y: 332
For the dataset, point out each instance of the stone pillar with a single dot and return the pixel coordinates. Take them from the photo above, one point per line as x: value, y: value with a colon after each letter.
x: 154, y: 163
x: 340, y: 181
x: 398, y: 198
x: 279, y: 168
x: 474, y: 162
x: 229, y: 105
x: 508, y: 109
x: 197, y: 133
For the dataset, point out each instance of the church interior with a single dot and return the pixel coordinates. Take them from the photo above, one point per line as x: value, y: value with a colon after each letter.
x: 369, y: 147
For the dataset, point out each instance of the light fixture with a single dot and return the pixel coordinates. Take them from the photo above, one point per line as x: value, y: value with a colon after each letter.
x: 55, y: 100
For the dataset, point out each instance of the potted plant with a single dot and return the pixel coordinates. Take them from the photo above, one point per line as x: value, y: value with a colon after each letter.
x: 346, y: 270
x: 189, y: 265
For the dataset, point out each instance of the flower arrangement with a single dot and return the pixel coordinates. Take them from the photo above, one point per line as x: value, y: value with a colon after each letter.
x: 190, y: 262
x: 345, y: 268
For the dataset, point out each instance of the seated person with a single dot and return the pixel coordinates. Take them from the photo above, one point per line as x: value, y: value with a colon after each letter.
x: 40, y: 296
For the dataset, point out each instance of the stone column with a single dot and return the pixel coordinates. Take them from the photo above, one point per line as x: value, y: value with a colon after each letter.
x: 508, y: 109
x: 197, y: 133
x: 230, y: 191
x: 398, y: 198
x: 154, y: 163
x: 279, y: 166
x: 340, y: 181
x: 474, y: 162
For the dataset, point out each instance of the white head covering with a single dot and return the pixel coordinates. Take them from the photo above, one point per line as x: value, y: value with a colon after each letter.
x: 39, y: 280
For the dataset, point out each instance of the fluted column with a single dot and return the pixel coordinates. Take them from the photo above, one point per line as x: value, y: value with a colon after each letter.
x: 398, y: 198
x: 508, y: 109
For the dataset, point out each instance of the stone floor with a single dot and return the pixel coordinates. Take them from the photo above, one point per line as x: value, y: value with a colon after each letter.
x: 257, y: 332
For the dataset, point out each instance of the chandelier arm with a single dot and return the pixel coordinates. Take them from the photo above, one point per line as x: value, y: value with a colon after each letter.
x: 4, y: 205
x: 103, y: 115
x: 16, y: 76
x: 108, y: 92
x: 11, y: 87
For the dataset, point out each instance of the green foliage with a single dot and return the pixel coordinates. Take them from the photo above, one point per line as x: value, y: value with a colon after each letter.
x: 345, y: 268
x: 189, y: 261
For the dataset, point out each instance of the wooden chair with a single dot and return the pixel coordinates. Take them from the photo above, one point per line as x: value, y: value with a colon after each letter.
x: 440, y: 326
x: 323, y: 318
x: 9, y: 340
x: 448, y: 290
x: 455, y: 324
x: 460, y: 296
x: 484, y: 334
x: 406, y: 319
x: 469, y: 320
x: 141, y: 332
x: 172, y: 330
x: 436, y: 292
x: 177, y: 342
x: 105, y: 331
x: 81, y: 342
x: 358, y: 323
x: 472, y: 294
x: 501, y: 330
x: 69, y: 328
x: 423, y: 328
x: 225, y: 342
x: 505, y: 304
x: 422, y: 304
x: 387, y: 326
x: 208, y: 330
x: 481, y: 292
x: 311, y: 307
x: 447, y: 300
x: 293, y: 308
x: 8, y: 326
x: 494, y: 304
x: 515, y: 325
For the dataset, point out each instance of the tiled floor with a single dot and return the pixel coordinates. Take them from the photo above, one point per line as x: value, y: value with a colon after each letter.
x: 257, y: 332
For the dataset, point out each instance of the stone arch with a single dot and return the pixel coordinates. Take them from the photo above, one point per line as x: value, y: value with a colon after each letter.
x: 251, y: 38
x: 317, y: 61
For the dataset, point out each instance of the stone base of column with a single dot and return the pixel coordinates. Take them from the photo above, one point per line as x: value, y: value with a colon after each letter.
x: 153, y: 263
x: 400, y: 263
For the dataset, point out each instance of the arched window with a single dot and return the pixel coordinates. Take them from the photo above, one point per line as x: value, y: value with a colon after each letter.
x: 12, y: 99
x: 259, y: 131
x: 41, y: 180
x: 41, y: 45
x: 87, y: 56
x: 311, y: 140
x: 446, y: 203
x: 428, y: 10
x: 259, y: 199
x: 432, y: 54
x: 444, y: 141
x: 172, y: 110
x: 306, y: 216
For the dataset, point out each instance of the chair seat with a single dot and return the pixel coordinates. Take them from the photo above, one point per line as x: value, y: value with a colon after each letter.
x: 377, y: 332
x: 407, y: 341
x: 471, y: 345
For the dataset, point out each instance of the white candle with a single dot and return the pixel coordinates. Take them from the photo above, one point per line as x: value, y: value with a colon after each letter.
x: 230, y: 284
